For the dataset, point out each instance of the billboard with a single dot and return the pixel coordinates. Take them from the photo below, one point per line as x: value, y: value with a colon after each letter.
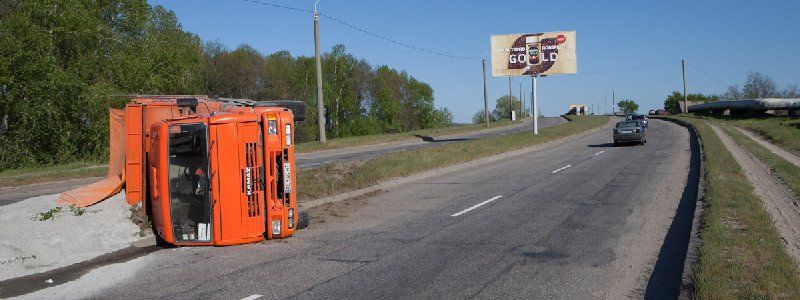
x: 534, y: 54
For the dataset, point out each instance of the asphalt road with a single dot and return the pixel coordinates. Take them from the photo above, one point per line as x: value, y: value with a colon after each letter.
x: 580, y: 219
x: 304, y: 160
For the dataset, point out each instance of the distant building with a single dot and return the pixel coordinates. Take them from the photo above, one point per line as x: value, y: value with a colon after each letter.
x: 578, y: 109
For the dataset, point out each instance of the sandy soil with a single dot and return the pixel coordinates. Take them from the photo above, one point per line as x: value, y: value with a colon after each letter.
x: 771, y: 147
x: 28, y: 245
x: 778, y: 199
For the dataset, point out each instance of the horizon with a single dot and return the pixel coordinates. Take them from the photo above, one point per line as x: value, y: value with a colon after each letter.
x: 646, y: 70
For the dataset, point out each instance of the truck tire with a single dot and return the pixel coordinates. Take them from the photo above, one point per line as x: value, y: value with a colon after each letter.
x: 298, y: 108
x: 302, y: 220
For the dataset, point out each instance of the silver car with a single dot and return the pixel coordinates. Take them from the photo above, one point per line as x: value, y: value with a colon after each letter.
x: 629, y: 132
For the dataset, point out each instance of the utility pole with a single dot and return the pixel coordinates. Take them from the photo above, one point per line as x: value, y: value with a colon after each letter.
x: 521, y: 103
x: 510, y: 100
x: 613, y: 102
x: 485, y: 95
x: 320, y: 103
x: 685, y: 97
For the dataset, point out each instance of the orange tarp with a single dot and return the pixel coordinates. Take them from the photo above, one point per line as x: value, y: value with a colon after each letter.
x: 113, y: 183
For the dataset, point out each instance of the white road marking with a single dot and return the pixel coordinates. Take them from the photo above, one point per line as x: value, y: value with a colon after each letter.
x: 562, y: 169
x: 598, y: 153
x: 252, y: 297
x: 476, y: 206
x: 504, y: 133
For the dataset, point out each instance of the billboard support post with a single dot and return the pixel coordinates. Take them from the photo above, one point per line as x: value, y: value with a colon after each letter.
x: 485, y: 95
x: 535, y: 107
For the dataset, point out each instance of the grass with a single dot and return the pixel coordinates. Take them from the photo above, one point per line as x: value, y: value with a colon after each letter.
x: 782, y: 131
x: 337, y: 178
x: 356, y: 141
x: 741, y: 255
x: 787, y: 172
x: 31, y: 175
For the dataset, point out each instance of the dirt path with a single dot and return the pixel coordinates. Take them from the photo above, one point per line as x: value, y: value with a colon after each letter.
x: 778, y: 199
x: 771, y: 147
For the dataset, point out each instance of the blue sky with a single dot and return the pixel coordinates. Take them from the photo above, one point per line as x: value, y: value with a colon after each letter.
x: 726, y: 39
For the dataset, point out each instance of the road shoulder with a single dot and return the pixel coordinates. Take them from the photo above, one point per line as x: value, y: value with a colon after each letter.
x: 794, y: 159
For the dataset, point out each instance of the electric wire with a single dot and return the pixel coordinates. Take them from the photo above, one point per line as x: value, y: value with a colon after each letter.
x: 362, y: 30
x: 278, y: 6
x: 709, y: 75
x: 630, y: 68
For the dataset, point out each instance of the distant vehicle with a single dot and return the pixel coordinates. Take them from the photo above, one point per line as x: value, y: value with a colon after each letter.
x: 630, y: 117
x: 629, y: 132
x: 662, y: 112
x: 642, y: 119
x: 652, y: 112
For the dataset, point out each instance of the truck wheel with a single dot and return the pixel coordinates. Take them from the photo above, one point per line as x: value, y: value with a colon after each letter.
x: 302, y: 220
x: 298, y: 108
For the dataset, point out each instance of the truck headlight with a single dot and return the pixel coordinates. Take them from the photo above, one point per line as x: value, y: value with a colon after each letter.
x: 288, y: 135
x: 291, y: 218
x: 272, y: 128
x: 276, y: 227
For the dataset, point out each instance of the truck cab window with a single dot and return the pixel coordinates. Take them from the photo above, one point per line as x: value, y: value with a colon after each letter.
x: 190, y: 205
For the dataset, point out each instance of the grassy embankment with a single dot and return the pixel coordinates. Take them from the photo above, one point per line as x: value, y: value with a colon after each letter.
x: 742, y: 254
x: 24, y: 176
x: 781, y: 131
x: 337, y: 178
x: 32, y: 175
x: 356, y: 141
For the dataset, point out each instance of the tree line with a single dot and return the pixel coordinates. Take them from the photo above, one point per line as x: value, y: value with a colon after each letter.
x: 359, y: 99
x: 757, y: 85
x: 502, y: 110
x: 64, y: 63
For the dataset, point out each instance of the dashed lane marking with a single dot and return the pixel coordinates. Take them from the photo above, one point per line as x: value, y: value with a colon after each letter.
x: 562, y: 169
x: 476, y: 206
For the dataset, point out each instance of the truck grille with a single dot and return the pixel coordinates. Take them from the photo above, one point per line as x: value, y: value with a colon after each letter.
x: 252, y: 178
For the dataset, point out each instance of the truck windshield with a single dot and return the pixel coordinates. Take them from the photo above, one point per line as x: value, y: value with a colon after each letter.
x: 188, y: 182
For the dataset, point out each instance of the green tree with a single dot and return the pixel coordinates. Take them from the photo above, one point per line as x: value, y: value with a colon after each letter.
x: 628, y: 106
x: 503, y: 107
x: 674, y: 101
x: 61, y: 62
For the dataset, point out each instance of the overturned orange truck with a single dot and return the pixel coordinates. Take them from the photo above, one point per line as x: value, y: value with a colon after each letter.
x: 209, y: 171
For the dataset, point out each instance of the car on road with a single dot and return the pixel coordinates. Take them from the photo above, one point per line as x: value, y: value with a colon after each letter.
x: 652, y: 112
x: 629, y: 132
x: 642, y: 119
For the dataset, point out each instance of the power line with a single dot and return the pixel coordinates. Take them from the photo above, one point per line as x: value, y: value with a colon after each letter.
x: 630, y: 68
x: 362, y: 30
x: 394, y: 41
x: 709, y: 75
x: 278, y: 6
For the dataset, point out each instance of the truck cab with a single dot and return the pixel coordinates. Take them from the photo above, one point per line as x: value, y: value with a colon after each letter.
x: 213, y: 175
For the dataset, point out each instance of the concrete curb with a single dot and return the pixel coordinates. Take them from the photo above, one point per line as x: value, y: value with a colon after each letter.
x: 693, y: 248
x: 391, y: 183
